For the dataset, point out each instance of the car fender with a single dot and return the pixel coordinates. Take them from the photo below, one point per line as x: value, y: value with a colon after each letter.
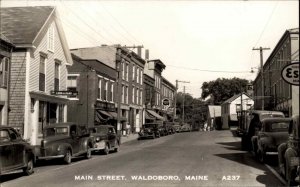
x: 63, y: 147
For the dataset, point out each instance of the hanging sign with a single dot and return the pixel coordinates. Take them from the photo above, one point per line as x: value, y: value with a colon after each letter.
x: 290, y: 73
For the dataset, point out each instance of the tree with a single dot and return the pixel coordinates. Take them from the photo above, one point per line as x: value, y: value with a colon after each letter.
x: 222, y: 89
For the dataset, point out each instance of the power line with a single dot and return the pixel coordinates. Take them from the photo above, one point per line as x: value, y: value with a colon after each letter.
x: 205, y: 70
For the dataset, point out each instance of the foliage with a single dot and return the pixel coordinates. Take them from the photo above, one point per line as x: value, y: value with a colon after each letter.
x: 222, y: 89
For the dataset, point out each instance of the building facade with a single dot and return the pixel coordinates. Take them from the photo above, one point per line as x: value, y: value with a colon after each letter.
x: 154, y: 69
x: 38, y: 67
x: 279, y: 95
x: 6, y: 48
x: 94, y: 85
x: 168, y: 92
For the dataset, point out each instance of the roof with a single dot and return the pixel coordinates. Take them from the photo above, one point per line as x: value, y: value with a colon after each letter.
x: 277, y: 119
x: 168, y: 83
x: 214, y: 110
x: 5, y: 39
x: 158, y: 62
x: 235, y: 97
x: 22, y: 24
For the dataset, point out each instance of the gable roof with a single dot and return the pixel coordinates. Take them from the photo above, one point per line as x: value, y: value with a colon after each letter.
x: 214, y: 110
x: 22, y: 24
x: 235, y: 97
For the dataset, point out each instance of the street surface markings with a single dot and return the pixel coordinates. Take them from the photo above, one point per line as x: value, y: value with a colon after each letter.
x: 276, y: 174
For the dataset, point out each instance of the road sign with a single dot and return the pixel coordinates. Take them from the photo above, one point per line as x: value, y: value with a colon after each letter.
x: 290, y: 73
x: 166, y: 102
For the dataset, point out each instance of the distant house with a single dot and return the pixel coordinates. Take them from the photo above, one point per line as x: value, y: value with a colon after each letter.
x: 38, y: 67
x: 214, y: 116
x: 230, y: 106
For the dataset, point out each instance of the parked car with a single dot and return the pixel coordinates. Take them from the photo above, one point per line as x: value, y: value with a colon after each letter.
x: 15, y: 153
x: 289, y: 154
x: 186, y: 128
x: 64, y: 141
x: 105, y: 138
x: 177, y: 128
x: 271, y: 133
x: 169, y: 127
x: 150, y: 130
x: 251, y: 121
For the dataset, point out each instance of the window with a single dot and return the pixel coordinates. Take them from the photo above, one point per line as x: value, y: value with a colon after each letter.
x: 72, y: 84
x: 4, y: 67
x: 56, y: 75
x: 123, y: 71
x: 105, y: 90
x: 61, y: 113
x: 137, y: 96
x: 42, y: 73
x: 126, y: 72
x: 123, y: 94
x: 50, y: 42
x: 133, y: 95
x: 127, y: 96
x: 141, y: 77
x: 99, y: 89
x: 141, y: 97
x: 137, y: 75
x: 133, y: 72
x: 112, y: 92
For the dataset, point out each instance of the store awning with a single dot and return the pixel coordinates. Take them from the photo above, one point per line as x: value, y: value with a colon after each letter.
x: 48, y: 98
x: 104, y: 113
x: 156, y: 115
x: 114, y: 115
x: 149, y: 117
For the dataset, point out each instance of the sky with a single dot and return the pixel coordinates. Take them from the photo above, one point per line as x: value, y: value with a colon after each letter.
x: 197, y: 40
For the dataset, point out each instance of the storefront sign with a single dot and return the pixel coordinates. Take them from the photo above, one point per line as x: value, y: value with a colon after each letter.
x: 290, y: 73
x: 166, y: 102
x: 105, y: 106
x: 70, y: 93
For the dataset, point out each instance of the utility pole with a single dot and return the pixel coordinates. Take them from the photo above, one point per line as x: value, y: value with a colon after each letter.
x: 183, y: 105
x: 262, y: 73
x: 177, y: 81
x: 119, y: 90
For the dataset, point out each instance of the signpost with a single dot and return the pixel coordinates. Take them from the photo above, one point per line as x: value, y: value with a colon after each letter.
x: 290, y: 73
x: 166, y: 104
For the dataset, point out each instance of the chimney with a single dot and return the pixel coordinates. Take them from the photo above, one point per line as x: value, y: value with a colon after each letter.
x: 147, y: 54
x: 139, y: 51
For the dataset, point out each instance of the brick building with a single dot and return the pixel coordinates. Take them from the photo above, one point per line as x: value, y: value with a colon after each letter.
x: 279, y: 95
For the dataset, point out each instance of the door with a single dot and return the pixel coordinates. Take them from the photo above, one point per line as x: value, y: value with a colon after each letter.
x: 75, y: 139
x: 19, y: 148
x: 6, y: 150
x: 112, y: 136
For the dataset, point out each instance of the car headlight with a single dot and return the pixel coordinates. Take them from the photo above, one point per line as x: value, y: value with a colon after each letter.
x: 97, y: 139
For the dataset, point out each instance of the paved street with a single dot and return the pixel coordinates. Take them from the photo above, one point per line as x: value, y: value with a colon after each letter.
x: 184, y: 159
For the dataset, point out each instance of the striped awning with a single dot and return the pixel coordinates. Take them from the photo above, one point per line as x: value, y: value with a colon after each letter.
x: 155, y: 115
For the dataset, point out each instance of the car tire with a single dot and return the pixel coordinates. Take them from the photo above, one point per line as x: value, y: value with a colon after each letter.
x: 106, y: 149
x: 88, y: 154
x: 28, y: 170
x: 117, y: 146
x: 68, y: 157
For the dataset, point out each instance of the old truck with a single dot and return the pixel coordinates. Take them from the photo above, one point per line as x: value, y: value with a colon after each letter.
x: 250, y: 123
x: 64, y: 141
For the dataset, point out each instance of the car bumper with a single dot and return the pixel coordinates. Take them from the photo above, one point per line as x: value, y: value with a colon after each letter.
x: 145, y: 135
x: 49, y: 157
x: 98, y: 146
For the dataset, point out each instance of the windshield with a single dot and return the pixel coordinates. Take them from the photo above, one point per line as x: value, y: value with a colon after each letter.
x: 270, y: 115
x: 56, y: 131
x: 277, y: 127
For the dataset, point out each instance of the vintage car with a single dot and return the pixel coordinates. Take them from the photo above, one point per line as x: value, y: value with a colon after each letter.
x: 177, y: 128
x: 251, y: 125
x: 151, y: 130
x: 169, y: 128
x: 289, y: 154
x: 15, y: 153
x: 271, y: 133
x: 64, y: 141
x: 186, y: 128
x: 105, y: 138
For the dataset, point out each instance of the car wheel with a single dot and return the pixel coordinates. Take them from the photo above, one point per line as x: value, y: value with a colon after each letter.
x: 68, y: 157
x: 88, y: 153
x: 158, y: 136
x: 28, y: 170
x: 106, y: 149
x: 117, y: 146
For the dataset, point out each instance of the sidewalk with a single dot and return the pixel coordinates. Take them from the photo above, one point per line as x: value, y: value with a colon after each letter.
x: 129, y: 137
